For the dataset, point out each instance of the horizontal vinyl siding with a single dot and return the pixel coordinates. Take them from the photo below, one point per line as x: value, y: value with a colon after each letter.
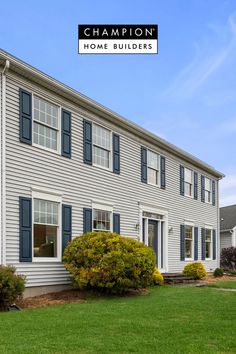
x: 80, y: 184
x: 225, y: 240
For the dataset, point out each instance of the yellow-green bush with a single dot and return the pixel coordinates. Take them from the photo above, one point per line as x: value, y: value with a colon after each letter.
x: 109, y: 262
x: 157, y: 277
x: 195, y: 269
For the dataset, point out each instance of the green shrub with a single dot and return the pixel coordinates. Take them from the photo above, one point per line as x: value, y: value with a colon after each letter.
x: 218, y: 272
x: 157, y: 277
x: 195, y: 270
x: 109, y: 262
x: 11, y: 286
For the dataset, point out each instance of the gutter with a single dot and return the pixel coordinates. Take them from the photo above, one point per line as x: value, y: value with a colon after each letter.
x: 96, y: 108
x: 3, y: 165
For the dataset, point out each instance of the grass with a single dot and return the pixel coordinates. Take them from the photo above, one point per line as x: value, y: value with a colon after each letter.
x: 168, y: 320
x: 225, y: 284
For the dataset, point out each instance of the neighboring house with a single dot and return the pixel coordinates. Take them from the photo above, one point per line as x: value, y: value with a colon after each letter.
x: 228, y: 226
x: 70, y: 165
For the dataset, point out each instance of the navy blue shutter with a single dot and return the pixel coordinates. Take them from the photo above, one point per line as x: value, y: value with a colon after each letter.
x: 116, y: 153
x: 163, y: 172
x: 87, y: 142
x: 25, y: 117
x: 66, y: 225
x: 181, y: 180
x: 214, y: 243
x: 203, y: 244
x: 143, y: 164
x: 182, y: 243
x: 116, y: 223
x: 203, y: 189
x: 195, y: 243
x: 25, y: 205
x: 65, y: 133
x: 213, y: 193
x: 87, y: 220
x: 195, y: 178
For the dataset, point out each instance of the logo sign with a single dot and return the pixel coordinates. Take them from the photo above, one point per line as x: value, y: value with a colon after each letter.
x: 118, y: 39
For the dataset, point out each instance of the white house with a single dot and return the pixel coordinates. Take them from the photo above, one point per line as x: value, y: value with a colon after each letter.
x: 70, y: 165
x: 228, y: 226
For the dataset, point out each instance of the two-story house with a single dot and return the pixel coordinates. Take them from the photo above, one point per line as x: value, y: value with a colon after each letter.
x: 70, y: 165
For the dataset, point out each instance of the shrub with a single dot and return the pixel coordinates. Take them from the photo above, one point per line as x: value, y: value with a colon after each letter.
x: 11, y: 286
x: 109, y: 262
x: 218, y: 272
x: 195, y: 270
x: 228, y: 258
x: 157, y: 277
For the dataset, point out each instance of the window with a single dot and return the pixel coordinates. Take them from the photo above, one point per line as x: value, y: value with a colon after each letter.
x: 208, y: 243
x: 188, y: 182
x: 101, y: 220
x: 207, y: 190
x: 153, y: 166
x: 45, y: 229
x: 188, y: 231
x: 45, y: 124
x: 101, y: 146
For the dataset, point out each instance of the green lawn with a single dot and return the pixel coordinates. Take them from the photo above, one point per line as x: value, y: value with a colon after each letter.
x: 226, y: 284
x: 169, y: 320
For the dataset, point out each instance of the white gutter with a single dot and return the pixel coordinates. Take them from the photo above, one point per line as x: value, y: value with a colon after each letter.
x: 3, y: 164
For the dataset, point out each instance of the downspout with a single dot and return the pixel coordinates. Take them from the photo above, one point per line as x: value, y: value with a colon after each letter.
x: 218, y: 224
x: 3, y: 163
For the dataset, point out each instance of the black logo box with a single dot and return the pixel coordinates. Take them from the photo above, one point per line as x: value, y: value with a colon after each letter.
x: 118, y: 32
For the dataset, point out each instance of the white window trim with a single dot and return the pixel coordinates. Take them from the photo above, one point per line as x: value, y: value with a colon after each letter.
x: 111, y: 148
x: 53, y: 198
x: 210, y: 227
x: 104, y: 207
x: 159, y: 169
x: 58, y: 151
x: 192, y: 180
x: 206, y: 190
x: 191, y: 224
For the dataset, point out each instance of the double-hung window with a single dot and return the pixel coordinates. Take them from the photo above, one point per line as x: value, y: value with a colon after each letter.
x: 208, y: 243
x: 101, y: 146
x: 102, y: 220
x: 188, y: 235
x: 153, y: 168
x: 45, y: 124
x: 45, y: 229
x: 207, y: 190
x: 188, y: 182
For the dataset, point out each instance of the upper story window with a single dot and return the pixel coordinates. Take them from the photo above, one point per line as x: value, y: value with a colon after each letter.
x: 188, y: 235
x: 188, y: 182
x: 101, y: 146
x: 208, y: 244
x: 45, y: 229
x: 101, y: 220
x: 207, y: 190
x: 45, y: 124
x: 153, y: 168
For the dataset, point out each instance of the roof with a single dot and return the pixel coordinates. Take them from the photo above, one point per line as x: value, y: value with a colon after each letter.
x: 28, y: 71
x: 228, y: 217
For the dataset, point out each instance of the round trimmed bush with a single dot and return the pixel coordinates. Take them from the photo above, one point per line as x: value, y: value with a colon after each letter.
x: 195, y: 270
x: 109, y: 262
x: 11, y: 286
x: 157, y: 277
x: 218, y: 272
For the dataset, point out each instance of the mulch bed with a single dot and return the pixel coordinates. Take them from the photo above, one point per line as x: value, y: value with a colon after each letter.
x: 210, y: 279
x: 70, y: 296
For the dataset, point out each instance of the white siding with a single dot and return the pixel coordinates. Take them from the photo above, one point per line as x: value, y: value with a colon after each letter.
x: 30, y: 166
x: 225, y: 240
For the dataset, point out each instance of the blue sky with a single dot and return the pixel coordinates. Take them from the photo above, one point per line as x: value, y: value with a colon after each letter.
x: 186, y: 93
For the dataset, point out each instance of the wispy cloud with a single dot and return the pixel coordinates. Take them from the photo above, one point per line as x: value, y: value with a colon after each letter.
x: 207, y: 61
x: 228, y: 190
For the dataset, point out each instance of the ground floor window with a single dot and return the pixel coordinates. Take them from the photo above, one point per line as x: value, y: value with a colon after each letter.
x: 45, y: 228
x: 102, y: 220
x: 208, y: 243
x: 188, y: 234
